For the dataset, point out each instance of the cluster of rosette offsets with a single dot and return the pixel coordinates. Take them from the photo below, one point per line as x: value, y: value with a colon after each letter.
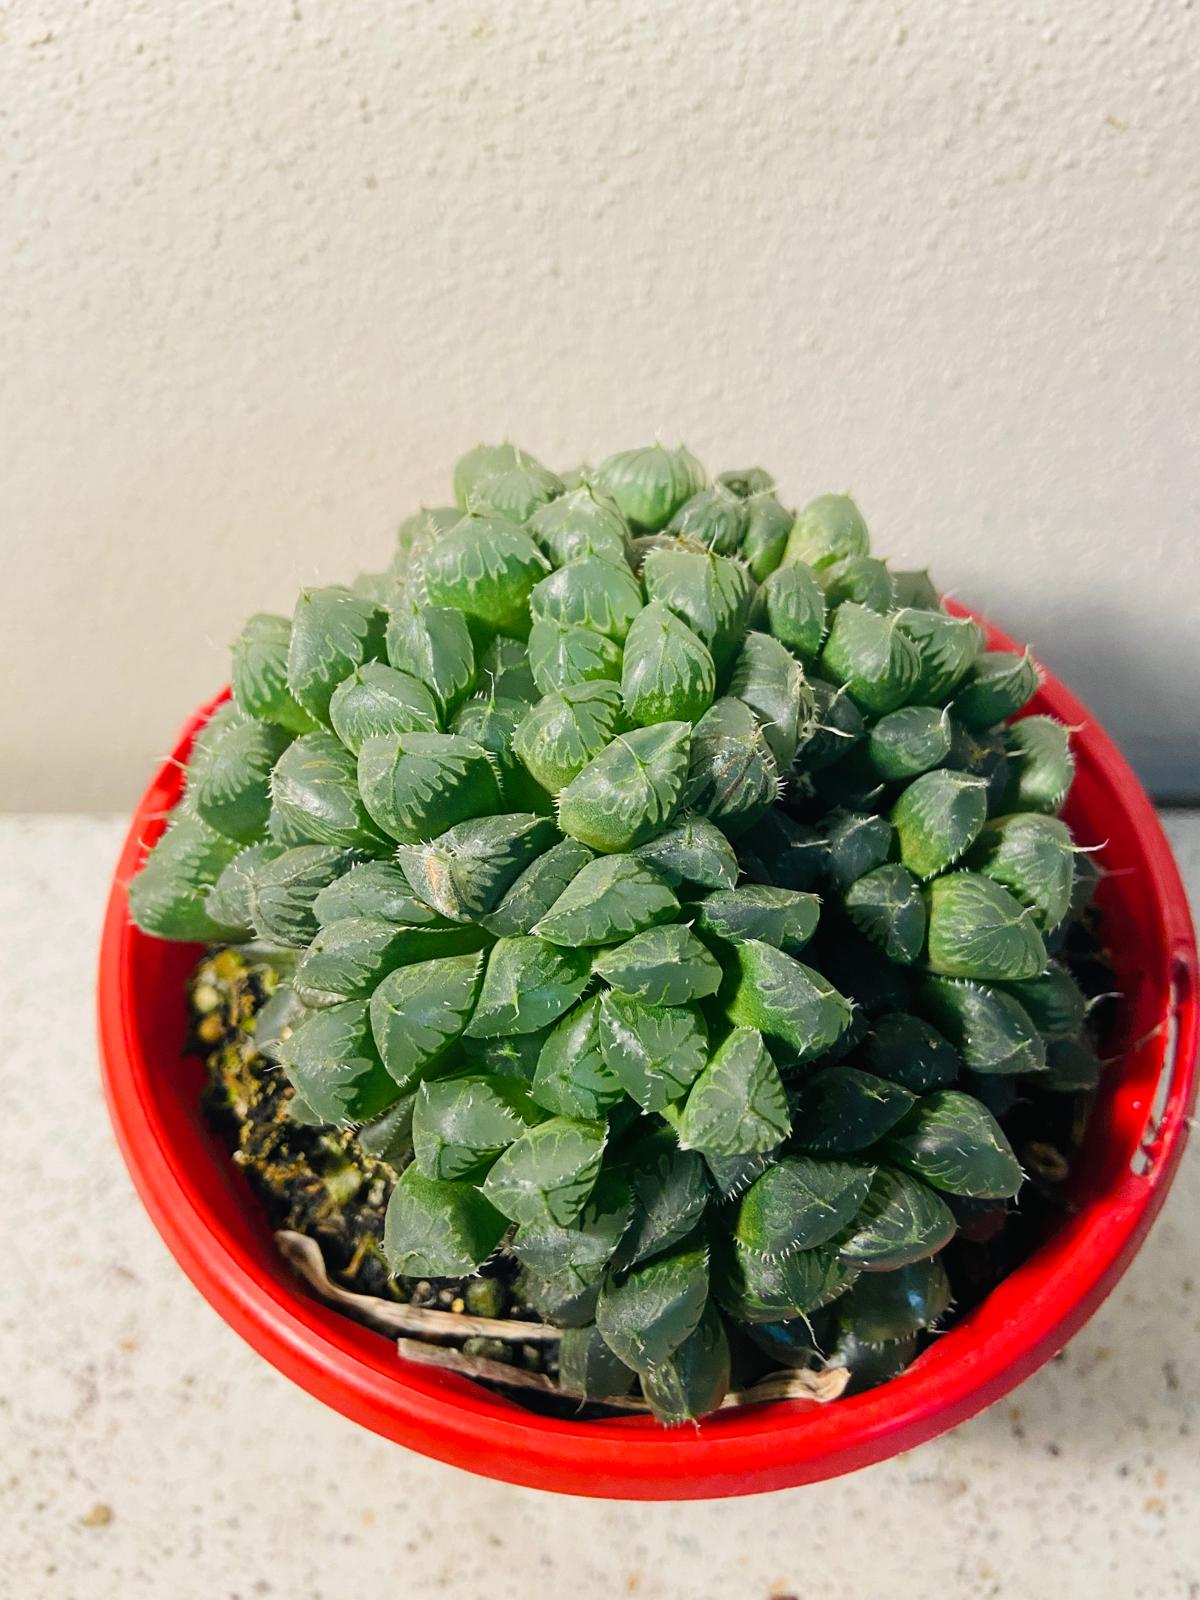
x: 663, y: 881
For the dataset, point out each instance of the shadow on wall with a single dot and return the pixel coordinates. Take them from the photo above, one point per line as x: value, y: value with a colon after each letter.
x: 1092, y: 652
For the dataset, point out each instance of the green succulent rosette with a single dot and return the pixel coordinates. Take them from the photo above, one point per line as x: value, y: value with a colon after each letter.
x: 689, y: 877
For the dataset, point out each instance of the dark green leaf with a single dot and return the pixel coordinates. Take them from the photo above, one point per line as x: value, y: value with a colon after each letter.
x: 955, y: 1144
x: 466, y: 870
x: 947, y: 647
x: 733, y: 778
x: 588, y: 1368
x: 883, y: 1306
x: 886, y: 905
x: 901, y: 1221
x: 1033, y: 856
x: 665, y: 966
x: 416, y: 785
x: 347, y: 959
x: 671, y: 1195
x: 909, y: 1052
x: 1072, y: 1067
x: 872, y: 657
x: 231, y: 789
x: 767, y: 678
x: 460, y: 1125
x: 737, y: 1105
x: 630, y: 791
x: 433, y: 645
x: 978, y: 930
x: 909, y: 741
x: 314, y: 788
x: 438, y: 1230
x: 169, y: 895
x: 756, y: 1289
x: 560, y: 656
x: 656, y: 1054
x: 559, y: 736
x: 998, y: 685
x: 374, y: 889
x: 528, y: 983
x: 331, y: 1060
x: 863, y: 579
x: 572, y: 1079
x: 378, y: 699
x: 648, y: 1315
x: 840, y: 1110
x: 536, y: 890
x: 855, y: 843
x: 609, y: 899
x: 768, y: 525
x: 692, y: 852
x: 1054, y: 1002
x: 694, y: 1378
x: 828, y: 529
x: 333, y: 631
x: 668, y: 673
x: 791, y: 607
x: 419, y: 1011
x: 936, y: 818
x: 260, y: 686
x: 988, y: 1027
x: 649, y: 485
x: 800, y: 1203
x: 283, y: 890
x: 785, y: 918
x: 1041, y: 751
x: 548, y: 1174
x: 795, y: 1008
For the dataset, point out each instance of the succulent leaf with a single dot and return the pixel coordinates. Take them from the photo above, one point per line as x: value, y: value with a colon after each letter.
x: 649, y: 485
x: 331, y: 1060
x: 883, y: 1306
x: 260, y: 681
x: 630, y: 791
x: 800, y: 1203
x: 560, y: 656
x: 667, y: 673
x: 978, y: 930
x: 785, y: 918
x: 692, y: 853
x: 579, y: 523
x: 527, y: 984
x: 466, y: 870
x: 901, y: 1221
x: 694, y: 1378
x: 348, y: 959
x: 757, y: 1289
x: 169, y: 895
x: 536, y: 890
x: 485, y: 567
x: 791, y: 606
x: 646, y: 1316
x: 655, y: 1053
x: 433, y: 645
x: 438, y: 1229
x: 998, y: 685
x: 607, y: 901
x: 1033, y: 857
x: 333, y: 631
x: 764, y: 542
x: 794, y: 1007
x: 954, y: 1143
x: 314, y: 790
x: 284, y: 889
x: 732, y: 777
x: 1040, y: 749
x: 715, y: 518
x: 588, y: 1368
x: 572, y: 1078
x: 886, y: 905
x: 376, y: 889
x: 767, y: 678
x: 863, y: 579
x: 737, y: 1105
x: 872, y: 657
x: 840, y: 1110
x: 515, y: 489
x: 590, y: 592
x: 908, y: 1051
x: 418, y: 1012
x: 378, y: 699
x: 937, y: 818
x: 828, y: 529
x: 566, y: 729
x: 415, y: 785
x: 460, y: 1125
x: 547, y: 1175
x: 990, y: 1029
x: 661, y: 966
x: 711, y: 593
x: 947, y: 648
x: 910, y: 741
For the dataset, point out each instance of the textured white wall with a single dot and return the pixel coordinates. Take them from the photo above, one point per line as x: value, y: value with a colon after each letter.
x: 269, y: 267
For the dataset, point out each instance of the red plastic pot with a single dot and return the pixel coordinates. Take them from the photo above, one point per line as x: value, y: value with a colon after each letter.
x: 212, y: 1223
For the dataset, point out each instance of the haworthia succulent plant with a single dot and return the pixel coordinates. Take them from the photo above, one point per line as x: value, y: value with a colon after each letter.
x: 669, y: 872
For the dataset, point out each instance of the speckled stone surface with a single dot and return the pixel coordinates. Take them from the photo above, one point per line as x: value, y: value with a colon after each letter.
x: 145, y: 1450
